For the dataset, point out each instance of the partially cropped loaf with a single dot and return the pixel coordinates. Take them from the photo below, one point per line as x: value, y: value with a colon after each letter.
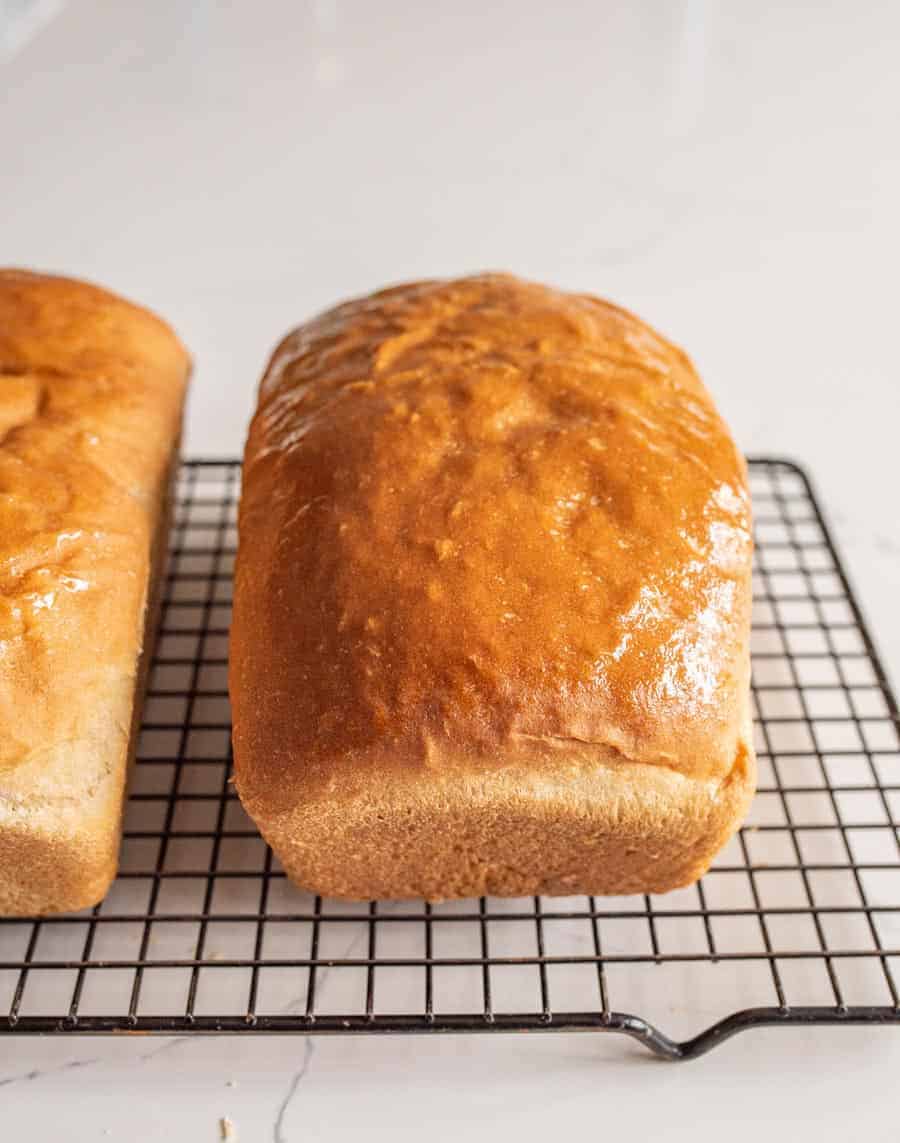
x: 91, y: 394
x: 492, y: 601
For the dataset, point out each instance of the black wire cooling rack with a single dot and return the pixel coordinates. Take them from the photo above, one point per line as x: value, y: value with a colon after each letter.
x: 798, y: 921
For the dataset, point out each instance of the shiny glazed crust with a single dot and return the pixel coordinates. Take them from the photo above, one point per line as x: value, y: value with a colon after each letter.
x: 91, y: 395
x: 492, y: 601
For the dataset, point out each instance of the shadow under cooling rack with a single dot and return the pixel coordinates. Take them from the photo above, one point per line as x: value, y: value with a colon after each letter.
x: 797, y: 922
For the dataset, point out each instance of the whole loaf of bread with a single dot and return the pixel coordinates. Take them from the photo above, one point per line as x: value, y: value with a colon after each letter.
x: 91, y: 394
x: 492, y: 601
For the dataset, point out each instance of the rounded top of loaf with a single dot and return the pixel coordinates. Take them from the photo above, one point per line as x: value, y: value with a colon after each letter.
x: 483, y: 519
x: 63, y: 325
x: 91, y: 395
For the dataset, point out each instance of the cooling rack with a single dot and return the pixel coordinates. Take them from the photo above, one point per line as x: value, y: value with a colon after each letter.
x: 797, y: 922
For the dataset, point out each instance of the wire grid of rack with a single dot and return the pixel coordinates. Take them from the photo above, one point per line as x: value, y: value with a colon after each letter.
x: 798, y: 921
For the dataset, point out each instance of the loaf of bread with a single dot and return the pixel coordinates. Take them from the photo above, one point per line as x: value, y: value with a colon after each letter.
x: 91, y: 394
x: 492, y: 601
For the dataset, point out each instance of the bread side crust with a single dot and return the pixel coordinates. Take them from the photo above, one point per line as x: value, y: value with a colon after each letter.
x: 597, y: 825
x: 59, y: 853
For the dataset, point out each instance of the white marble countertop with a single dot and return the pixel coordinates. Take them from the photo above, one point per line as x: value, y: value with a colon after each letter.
x: 731, y: 173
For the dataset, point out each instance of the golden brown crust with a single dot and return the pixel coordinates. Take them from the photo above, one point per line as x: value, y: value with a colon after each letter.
x: 493, y: 583
x: 91, y: 394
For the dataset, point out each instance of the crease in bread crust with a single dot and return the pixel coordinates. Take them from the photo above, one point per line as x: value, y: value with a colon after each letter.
x: 487, y: 531
x: 616, y: 751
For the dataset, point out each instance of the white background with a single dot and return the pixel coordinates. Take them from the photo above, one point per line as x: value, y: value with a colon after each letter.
x: 730, y: 171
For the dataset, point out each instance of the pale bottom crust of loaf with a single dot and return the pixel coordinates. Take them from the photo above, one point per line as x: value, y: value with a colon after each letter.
x: 599, y: 829
x: 61, y: 855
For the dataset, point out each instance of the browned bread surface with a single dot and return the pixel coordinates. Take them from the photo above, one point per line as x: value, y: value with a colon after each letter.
x: 492, y: 600
x: 91, y: 395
